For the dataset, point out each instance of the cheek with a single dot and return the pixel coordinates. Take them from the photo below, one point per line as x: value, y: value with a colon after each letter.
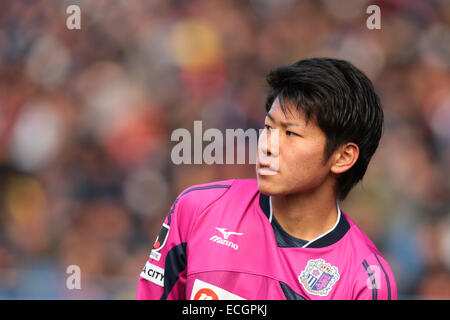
x: 303, y: 163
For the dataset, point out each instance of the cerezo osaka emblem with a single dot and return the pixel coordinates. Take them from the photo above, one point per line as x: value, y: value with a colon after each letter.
x: 319, y: 277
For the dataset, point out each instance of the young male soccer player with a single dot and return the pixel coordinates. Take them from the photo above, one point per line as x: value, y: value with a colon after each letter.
x: 283, y: 235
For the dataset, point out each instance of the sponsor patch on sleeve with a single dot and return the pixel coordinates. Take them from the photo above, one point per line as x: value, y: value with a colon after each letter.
x: 153, y: 274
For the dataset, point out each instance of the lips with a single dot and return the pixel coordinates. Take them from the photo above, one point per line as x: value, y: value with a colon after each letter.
x: 265, y: 170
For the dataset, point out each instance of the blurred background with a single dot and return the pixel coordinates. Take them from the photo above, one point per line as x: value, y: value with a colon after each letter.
x: 86, y: 176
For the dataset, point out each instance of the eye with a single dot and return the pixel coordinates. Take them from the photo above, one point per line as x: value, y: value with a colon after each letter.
x: 266, y: 126
x: 290, y: 133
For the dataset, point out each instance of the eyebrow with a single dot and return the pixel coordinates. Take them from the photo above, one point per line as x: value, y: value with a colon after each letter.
x: 283, y: 123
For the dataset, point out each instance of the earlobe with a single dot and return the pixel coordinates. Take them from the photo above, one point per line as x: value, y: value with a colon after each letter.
x: 345, y: 157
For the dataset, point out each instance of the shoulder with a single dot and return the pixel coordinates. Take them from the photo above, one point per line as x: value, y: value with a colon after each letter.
x: 193, y: 201
x: 199, y: 197
x: 374, y: 279
x: 363, y: 245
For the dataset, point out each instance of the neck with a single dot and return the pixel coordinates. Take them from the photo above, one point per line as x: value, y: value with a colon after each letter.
x: 306, y: 215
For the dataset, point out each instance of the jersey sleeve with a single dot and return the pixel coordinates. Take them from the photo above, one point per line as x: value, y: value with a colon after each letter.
x: 164, y: 274
x: 375, y: 280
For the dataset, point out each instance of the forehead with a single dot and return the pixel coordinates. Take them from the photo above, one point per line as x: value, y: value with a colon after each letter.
x: 287, y: 114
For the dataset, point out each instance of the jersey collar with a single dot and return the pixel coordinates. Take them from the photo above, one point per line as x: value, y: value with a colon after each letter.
x: 285, y: 240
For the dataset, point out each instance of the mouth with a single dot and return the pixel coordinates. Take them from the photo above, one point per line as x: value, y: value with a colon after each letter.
x: 265, y: 170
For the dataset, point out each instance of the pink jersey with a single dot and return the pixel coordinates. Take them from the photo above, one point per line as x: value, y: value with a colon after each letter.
x: 221, y: 241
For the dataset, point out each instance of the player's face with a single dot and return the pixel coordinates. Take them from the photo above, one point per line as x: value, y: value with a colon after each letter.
x: 290, y: 154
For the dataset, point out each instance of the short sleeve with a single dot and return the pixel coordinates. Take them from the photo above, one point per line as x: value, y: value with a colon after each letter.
x: 374, y: 280
x: 164, y: 274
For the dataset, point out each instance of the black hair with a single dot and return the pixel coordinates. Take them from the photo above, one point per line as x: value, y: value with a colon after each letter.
x: 342, y: 102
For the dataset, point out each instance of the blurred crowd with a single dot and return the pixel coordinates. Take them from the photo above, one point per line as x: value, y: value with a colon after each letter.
x: 86, y: 117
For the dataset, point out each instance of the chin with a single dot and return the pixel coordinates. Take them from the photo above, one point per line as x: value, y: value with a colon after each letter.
x: 270, y: 188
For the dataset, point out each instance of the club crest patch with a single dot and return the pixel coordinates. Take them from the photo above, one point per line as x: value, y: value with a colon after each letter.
x: 160, y: 242
x: 319, y: 277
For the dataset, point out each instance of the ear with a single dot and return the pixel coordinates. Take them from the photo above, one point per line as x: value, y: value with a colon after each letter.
x: 345, y: 157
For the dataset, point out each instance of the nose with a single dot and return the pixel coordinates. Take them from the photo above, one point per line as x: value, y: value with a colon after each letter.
x: 265, y: 146
x: 268, y: 145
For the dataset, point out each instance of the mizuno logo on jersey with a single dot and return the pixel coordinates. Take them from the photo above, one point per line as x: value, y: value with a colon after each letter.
x: 224, y: 239
x: 227, y: 234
